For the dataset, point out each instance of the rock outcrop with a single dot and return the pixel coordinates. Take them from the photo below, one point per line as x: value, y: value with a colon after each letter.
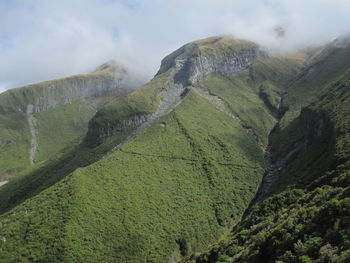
x: 27, y: 125
x: 33, y: 133
x: 188, y: 65
x: 109, y: 79
x: 195, y: 61
x: 196, y: 69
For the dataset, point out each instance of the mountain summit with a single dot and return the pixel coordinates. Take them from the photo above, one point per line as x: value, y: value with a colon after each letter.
x: 38, y: 121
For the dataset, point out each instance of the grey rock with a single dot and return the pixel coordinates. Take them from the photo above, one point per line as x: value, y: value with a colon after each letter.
x: 224, y: 64
x: 33, y: 132
x: 188, y: 68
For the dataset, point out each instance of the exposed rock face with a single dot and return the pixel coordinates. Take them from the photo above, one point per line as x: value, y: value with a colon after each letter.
x: 79, y: 88
x: 197, y: 68
x: 174, y: 97
x: 106, y: 80
x: 170, y: 61
x: 193, y: 63
x: 33, y: 132
x: 75, y: 88
x: 88, y: 91
x: 189, y: 65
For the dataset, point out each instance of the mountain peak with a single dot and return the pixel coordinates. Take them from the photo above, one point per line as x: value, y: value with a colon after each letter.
x: 219, y: 42
x: 112, y: 66
x: 222, y: 55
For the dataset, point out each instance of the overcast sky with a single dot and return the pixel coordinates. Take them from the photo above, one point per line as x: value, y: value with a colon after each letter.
x: 45, y: 39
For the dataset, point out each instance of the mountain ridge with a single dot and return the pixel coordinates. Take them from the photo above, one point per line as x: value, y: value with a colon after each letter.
x: 63, y: 105
x: 170, y: 168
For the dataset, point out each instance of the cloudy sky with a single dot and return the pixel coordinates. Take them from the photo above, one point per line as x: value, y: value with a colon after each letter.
x: 45, y: 39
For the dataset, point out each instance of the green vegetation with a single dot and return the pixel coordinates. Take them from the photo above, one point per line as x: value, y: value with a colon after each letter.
x: 142, y: 101
x: 243, y: 102
x: 57, y: 128
x: 224, y: 44
x: 180, y: 185
x: 326, y: 66
x: 67, y: 123
x: 62, y: 110
x: 306, y: 217
x: 140, y: 203
x: 311, y: 127
x: 34, y: 180
x: 14, y: 144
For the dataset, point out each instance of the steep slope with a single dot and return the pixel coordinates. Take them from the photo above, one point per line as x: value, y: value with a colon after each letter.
x: 38, y: 121
x: 306, y: 215
x: 233, y: 67
x: 186, y: 160
x: 144, y: 201
x: 307, y: 129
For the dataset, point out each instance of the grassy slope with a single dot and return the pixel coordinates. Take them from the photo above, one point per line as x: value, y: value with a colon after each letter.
x: 144, y: 100
x: 32, y: 181
x: 242, y: 100
x: 309, y: 224
x: 59, y: 127
x: 308, y: 220
x: 135, y: 204
x: 15, y: 140
x: 327, y: 66
x: 206, y: 182
x: 223, y: 44
x: 241, y: 91
x: 332, y: 67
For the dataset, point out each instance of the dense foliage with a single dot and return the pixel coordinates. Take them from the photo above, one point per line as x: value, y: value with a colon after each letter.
x: 141, y: 202
x: 306, y: 217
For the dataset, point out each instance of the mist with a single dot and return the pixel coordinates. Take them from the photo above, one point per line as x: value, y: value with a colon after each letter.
x: 41, y: 40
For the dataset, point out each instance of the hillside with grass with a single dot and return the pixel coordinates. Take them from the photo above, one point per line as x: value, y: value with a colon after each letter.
x: 216, y: 147
x: 304, y: 216
x: 37, y: 122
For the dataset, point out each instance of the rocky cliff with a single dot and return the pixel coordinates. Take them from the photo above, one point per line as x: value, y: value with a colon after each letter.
x: 219, y: 55
x: 108, y: 79
x: 38, y: 121
x: 185, y: 67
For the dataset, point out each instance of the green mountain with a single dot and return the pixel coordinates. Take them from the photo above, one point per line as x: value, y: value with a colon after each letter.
x: 227, y: 142
x: 301, y: 211
x: 39, y: 121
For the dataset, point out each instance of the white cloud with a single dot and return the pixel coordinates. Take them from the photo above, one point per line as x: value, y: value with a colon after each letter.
x: 42, y: 39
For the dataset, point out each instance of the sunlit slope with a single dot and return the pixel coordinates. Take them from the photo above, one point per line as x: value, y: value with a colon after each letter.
x: 178, y: 182
x: 187, y: 160
x: 92, y: 148
x: 326, y: 66
x: 38, y: 121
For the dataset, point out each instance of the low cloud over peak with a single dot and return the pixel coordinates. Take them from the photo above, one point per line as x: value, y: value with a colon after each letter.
x: 41, y: 40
